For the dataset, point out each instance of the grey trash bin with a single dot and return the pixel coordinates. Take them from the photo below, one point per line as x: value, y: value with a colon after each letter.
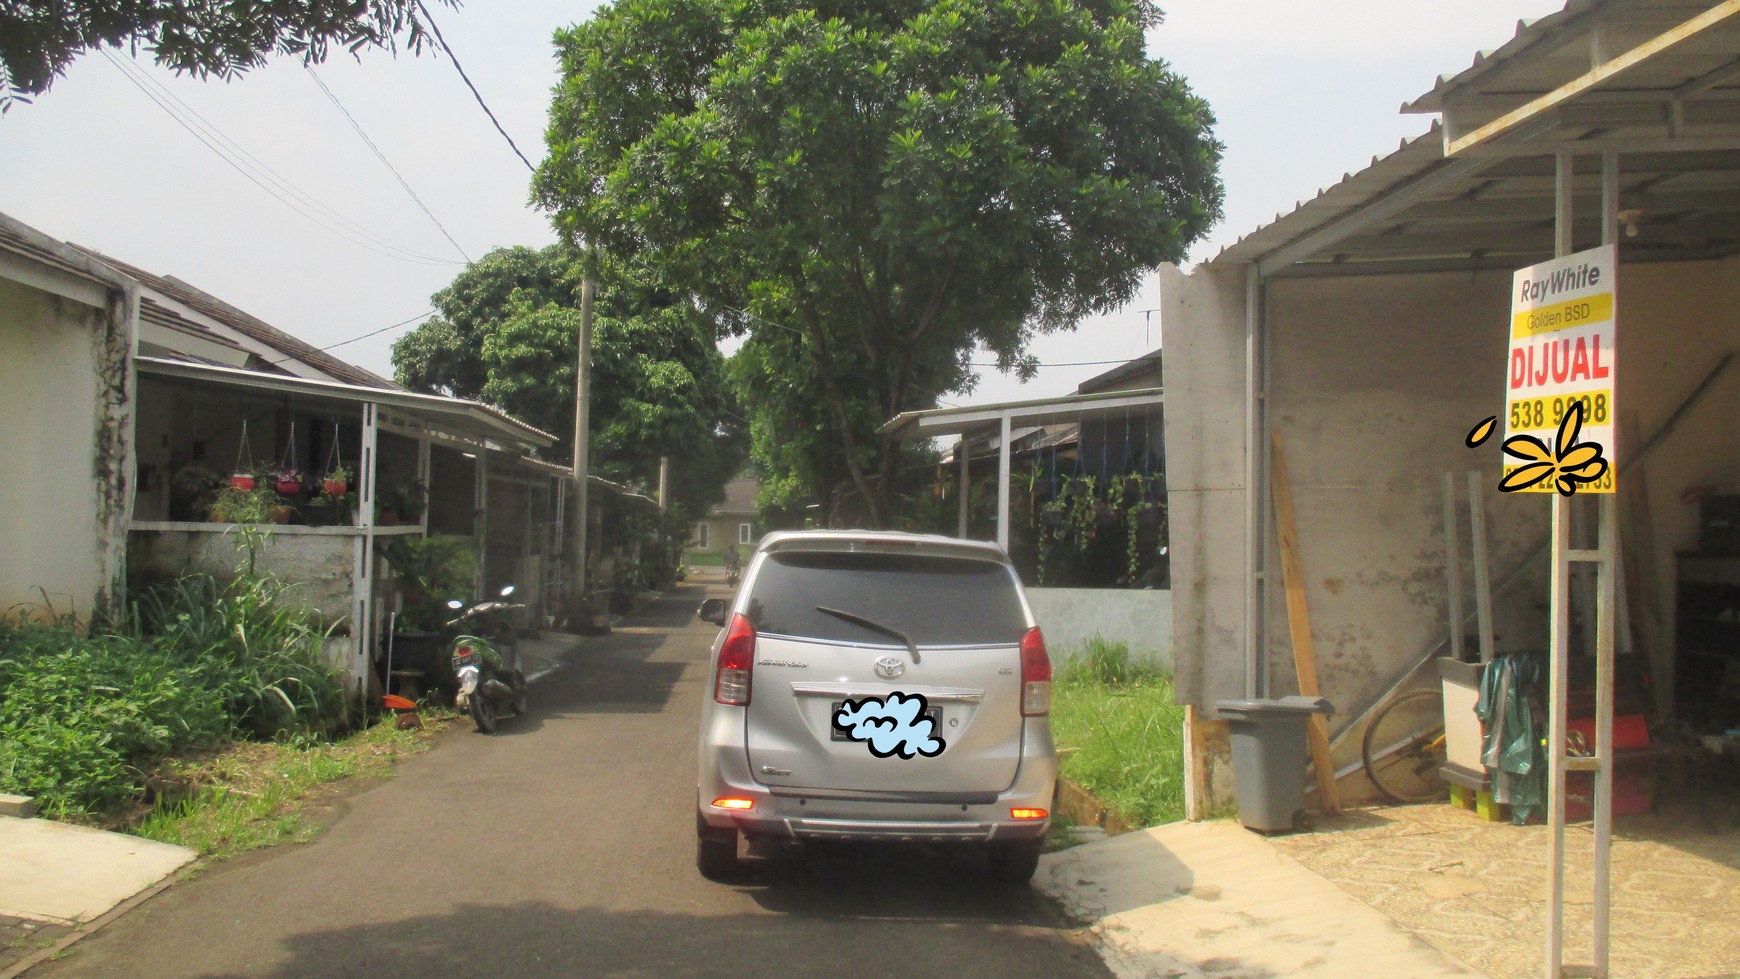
x: 1269, y: 755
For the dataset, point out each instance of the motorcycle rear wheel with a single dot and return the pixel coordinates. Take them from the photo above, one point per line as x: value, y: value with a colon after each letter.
x: 483, y: 711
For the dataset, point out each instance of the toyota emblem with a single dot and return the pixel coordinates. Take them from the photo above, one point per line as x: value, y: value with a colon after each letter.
x: 889, y: 667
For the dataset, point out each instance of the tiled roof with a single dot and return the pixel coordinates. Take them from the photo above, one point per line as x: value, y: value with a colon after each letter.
x: 739, y: 497
x: 246, y: 324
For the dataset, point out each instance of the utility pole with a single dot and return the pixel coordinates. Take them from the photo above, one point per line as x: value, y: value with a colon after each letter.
x: 664, y: 490
x: 582, y: 445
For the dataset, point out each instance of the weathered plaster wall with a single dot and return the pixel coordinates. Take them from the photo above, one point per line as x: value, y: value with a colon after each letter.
x: 63, y: 439
x: 1202, y: 334
x: 1069, y: 617
x: 315, y: 561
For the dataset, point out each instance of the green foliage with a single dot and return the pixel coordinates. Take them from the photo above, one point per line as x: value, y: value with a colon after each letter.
x: 870, y: 190
x: 245, y: 506
x: 1120, y: 733
x: 198, y: 662
x: 432, y: 571
x: 509, y: 333
x: 39, y: 38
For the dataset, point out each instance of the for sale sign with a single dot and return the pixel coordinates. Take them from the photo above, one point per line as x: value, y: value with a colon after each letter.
x: 1562, y: 354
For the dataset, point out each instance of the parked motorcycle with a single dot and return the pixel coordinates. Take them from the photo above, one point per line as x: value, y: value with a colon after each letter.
x: 486, y: 661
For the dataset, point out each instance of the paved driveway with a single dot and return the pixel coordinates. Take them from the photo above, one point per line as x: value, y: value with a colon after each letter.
x: 564, y: 846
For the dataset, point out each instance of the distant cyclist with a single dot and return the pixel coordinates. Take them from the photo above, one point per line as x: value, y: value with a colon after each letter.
x: 733, y: 564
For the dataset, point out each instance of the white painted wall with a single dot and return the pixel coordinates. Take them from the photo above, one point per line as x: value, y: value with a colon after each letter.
x: 51, y: 406
x: 1069, y: 617
x: 314, y: 561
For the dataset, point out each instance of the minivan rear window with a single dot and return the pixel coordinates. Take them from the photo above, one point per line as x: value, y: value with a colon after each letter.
x: 935, y: 601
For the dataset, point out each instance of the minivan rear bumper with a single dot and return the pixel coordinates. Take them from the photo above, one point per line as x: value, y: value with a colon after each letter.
x: 790, y: 813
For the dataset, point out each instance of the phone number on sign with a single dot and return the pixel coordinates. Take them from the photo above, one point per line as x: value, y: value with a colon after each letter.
x: 1530, y: 413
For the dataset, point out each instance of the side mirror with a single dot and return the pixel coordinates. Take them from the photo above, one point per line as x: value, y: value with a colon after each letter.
x: 713, y: 610
x: 509, y: 590
x: 455, y: 604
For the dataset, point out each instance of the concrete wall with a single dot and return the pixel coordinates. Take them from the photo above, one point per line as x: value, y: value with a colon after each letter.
x: 317, y: 561
x: 1069, y: 617
x: 65, y: 434
x: 1374, y: 383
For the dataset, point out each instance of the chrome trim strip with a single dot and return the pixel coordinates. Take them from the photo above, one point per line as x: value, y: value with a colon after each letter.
x: 938, y: 695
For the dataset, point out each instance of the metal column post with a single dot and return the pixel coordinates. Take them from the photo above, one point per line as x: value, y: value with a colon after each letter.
x: 963, y: 459
x: 1605, y: 556
x: 362, y: 579
x: 1003, y: 487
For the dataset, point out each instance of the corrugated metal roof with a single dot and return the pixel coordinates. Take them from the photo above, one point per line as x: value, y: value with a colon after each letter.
x: 1673, y: 116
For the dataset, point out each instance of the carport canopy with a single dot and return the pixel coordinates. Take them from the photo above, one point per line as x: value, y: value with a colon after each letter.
x: 1655, y: 81
x: 978, y: 421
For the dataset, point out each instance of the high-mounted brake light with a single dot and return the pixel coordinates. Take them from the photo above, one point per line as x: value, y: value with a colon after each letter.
x: 1035, y: 675
x: 1016, y: 813
x: 736, y: 658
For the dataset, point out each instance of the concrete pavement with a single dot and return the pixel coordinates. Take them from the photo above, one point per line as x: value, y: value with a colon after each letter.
x: 1214, y: 899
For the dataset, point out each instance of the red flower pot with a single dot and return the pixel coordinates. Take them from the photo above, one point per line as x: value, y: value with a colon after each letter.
x: 334, y: 487
x: 288, y: 487
x: 242, y: 481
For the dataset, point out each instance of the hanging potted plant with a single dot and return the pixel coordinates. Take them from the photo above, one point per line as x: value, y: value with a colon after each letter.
x: 288, y: 482
x: 336, y: 483
x: 243, y: 475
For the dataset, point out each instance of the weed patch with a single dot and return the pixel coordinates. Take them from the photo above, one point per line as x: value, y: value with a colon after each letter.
x: 1127, y: 734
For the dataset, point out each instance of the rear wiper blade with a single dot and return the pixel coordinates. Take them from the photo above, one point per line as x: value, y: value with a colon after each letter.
x: 873, y: 626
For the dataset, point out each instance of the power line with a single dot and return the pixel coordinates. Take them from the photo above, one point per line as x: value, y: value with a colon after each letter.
x: 474, y: 93
x: 365, y: 336
x: 332, y: 221
x: 382, y: 157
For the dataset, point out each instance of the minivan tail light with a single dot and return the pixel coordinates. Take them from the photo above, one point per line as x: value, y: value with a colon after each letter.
x: 736, y: 658
x: 1035, y: 675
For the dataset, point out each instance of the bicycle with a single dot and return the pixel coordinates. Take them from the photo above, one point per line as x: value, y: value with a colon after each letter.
x: 1404, y: 748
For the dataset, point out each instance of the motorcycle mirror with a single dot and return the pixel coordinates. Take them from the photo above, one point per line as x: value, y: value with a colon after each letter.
x: 455, y: 603
x: 509, y: 590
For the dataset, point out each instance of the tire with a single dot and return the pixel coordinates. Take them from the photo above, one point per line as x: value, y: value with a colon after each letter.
x: 716, y: 852
x: 483, y: 711
x: 1014, y: 863
x: 1403, y: 748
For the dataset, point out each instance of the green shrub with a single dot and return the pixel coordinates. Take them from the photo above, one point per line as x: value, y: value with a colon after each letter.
x: 198, y: 662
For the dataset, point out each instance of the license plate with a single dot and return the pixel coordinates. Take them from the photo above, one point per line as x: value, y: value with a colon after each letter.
x: 835, y: 734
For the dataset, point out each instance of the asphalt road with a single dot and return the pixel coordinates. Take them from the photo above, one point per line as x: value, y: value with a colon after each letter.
x: 564, y: 846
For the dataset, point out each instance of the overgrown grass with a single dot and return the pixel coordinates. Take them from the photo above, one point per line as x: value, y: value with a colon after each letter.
x: 1126, y: 733
x: 196, y: 663
x: 253, y: 795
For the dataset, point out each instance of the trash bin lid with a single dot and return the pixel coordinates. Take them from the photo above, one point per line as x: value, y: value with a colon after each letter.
x: 1283, y: 707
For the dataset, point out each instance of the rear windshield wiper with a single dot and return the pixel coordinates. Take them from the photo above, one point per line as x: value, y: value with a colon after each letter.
x: 873, y: 626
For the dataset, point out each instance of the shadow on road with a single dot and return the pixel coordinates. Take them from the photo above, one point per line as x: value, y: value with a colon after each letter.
x: 535, y: 940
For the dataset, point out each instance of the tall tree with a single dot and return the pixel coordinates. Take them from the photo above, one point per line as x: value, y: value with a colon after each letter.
x: 508, y: 334
x: 39, y: 38
x: 889, y: 181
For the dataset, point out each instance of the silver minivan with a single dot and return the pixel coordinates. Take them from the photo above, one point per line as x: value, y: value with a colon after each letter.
x: 876, y: 686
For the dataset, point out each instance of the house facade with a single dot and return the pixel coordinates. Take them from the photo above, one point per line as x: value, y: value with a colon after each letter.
x: 730, y: 523
x: 136, y: 402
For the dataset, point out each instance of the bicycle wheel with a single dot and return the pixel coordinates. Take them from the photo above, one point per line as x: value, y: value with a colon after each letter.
x: 1404, y: 748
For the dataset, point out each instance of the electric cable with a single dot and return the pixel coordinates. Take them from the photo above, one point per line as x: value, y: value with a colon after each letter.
x: 140, y: 81
x: 474, y: 93
x: 384, y: 161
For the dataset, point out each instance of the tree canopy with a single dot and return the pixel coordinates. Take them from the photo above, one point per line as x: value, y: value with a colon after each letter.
x: 871, y: 188
x: 40, y: 38
x: 508, y: 334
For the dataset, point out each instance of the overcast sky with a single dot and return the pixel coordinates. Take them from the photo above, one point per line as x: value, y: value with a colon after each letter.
x: 1303, y: 93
